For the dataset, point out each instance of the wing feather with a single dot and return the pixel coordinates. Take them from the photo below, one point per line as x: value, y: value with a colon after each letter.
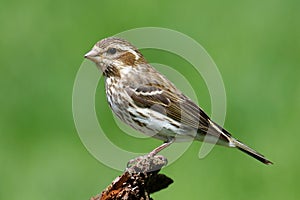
x: 176, y: 106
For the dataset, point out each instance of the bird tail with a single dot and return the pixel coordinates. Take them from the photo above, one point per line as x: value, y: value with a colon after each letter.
x: 244, y: 148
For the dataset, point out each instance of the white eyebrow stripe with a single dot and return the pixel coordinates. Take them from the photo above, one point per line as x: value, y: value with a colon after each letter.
x: 125, y: 48
x: 122, y: 47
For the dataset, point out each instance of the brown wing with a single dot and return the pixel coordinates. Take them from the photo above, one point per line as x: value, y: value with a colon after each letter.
x: 176, y: 106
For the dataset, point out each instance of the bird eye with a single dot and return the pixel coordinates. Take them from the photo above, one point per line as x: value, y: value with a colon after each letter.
x: 112, y: 50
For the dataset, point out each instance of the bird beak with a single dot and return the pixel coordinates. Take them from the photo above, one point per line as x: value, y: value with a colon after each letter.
x: 92, y: 55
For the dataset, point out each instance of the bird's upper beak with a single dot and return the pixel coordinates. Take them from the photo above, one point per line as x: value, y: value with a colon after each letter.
x: 93, y: 55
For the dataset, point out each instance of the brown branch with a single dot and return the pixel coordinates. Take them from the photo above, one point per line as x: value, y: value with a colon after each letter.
x: 139, y: 180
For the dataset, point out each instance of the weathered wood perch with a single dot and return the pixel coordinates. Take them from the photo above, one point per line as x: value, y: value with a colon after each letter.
x: 139, y: 180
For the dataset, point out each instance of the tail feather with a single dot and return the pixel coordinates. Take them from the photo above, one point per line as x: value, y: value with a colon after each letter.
x: 251, y: 152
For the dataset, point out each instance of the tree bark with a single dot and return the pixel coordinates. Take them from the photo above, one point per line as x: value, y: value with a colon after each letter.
x: 140, y: 179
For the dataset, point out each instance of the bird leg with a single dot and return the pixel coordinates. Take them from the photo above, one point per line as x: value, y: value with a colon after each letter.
x: 161, y: 147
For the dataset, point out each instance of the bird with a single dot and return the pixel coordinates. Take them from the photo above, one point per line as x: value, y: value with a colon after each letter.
x: 143, y: 98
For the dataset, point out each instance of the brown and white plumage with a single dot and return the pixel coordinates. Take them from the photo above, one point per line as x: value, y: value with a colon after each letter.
x: 147, y: 101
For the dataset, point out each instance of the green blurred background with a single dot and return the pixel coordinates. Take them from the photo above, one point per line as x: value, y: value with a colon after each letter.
x: 255, y: 44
